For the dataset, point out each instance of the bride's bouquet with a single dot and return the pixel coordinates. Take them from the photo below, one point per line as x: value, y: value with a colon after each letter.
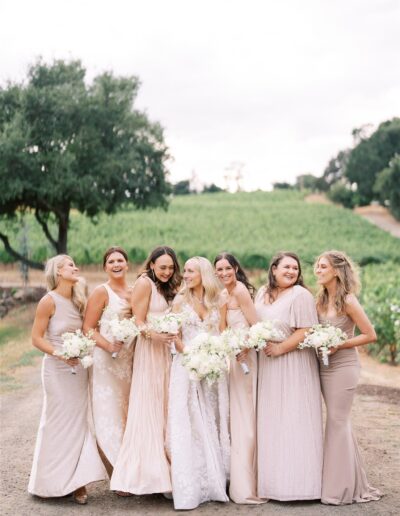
x: 123, y: 330
x: 77, y: 345
x: 167, y: 323
x: 236, y: 341
x: 263, y: 332
x: 206, y: 357
x: 321, y: 337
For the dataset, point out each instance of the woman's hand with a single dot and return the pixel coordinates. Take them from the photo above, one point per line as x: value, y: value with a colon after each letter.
x: 331, y: 351
x: 165, y: 339
x: 241, y: 357
x: 179, y: 344
x: 273, y: 349
x: 69, y: 361
x: 114, y: 347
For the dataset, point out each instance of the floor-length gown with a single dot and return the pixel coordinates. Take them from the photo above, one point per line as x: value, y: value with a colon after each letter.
x: 111, y: 381
x: 198, y: 434
x: 242, y: 401
x: 344, y: 480
x: 66, y: 455
x: 142, y: 465
x: 289, y: 418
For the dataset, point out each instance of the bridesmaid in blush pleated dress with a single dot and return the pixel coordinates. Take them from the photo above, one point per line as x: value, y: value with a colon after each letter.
x: 344, y: 480
x: 66, y: 458
x: 112, y: 368
x: 240, y: 313
x: 289, y: 418
x: 142, y: 466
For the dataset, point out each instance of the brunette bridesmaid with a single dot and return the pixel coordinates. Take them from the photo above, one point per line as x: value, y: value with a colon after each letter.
x: 344, y: 480
x: 142, y: 465
x: 66, y: 458
x: 240, y: 313
x: 111, y: 377
x: 289, y: 419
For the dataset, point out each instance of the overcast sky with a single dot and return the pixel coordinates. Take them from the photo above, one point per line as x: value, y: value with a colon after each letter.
x: 277, y: 85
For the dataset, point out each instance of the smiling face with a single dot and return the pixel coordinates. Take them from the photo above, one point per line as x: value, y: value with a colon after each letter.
x: 163, y: 268
x: 191, y: 274
x: 225, y: 272
x: 324, y: 271
x: 286, y: 272
x: 68, y: 271
x: 116, y: 266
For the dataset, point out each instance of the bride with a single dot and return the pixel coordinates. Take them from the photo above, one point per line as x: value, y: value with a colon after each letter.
x: 198, y: 438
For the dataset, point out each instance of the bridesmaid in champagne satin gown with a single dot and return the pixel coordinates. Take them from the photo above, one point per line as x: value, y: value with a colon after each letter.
x: 344, y: 479
x: 142, y: 466
x: 66, y: 457
x: 240, y: 313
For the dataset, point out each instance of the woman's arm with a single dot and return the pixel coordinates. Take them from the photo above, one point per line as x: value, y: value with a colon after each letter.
x: 275, y: 350
x: 97, y: 302
x: 246, y: 304
x: 45, y: 310
x: 356, y: 313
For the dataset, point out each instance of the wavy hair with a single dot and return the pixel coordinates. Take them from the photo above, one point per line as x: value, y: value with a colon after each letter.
x: 211, y: 285
x: 170, y: 288
x: 271, y: 282
x: 239, y: 272
x: 347, y: 281
x: 53, y: 265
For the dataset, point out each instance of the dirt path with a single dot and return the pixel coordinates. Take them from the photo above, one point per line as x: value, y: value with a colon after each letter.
x: 381, y: 217
x: 375, y: 416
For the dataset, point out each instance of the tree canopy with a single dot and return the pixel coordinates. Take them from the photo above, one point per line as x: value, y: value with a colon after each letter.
x: 68, y: 144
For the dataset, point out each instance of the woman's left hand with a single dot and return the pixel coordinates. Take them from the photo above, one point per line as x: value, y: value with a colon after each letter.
x: 272, y: 349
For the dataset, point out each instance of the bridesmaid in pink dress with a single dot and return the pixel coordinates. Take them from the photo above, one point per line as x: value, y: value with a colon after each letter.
x: 240, y: 313
x: 344, y: 480
x: 289, y: 418
x: 142, y: 466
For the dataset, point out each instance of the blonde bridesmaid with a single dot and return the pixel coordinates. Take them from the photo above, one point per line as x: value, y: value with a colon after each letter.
x: 289, y: 418
x: 142, y: 466
x: 344, y: 480
x: 240, y: 313
x: 66, y: 458
x: 112, y: 368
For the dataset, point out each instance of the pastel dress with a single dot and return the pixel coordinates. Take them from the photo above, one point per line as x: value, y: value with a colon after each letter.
x: 243, y: 398
x: 111, y: 381
x: 66, y: 455
x: 289, y: 418
x: 344, y: 480
x: 198, y: 426
x: 142, y: 466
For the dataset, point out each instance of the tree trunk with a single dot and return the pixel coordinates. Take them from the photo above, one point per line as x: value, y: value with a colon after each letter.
x: 63, y: 224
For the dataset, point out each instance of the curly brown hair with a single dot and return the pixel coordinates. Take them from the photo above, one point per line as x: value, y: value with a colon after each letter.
x: 170, y: 288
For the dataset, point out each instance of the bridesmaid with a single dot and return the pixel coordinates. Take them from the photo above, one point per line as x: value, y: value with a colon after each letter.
x: 344, y: 480
x: 198, y: 434
x: 66, y: 457
x: 289, y: 419
x: 111, y: 377
x: 142, y: 466
x: 240, y: 313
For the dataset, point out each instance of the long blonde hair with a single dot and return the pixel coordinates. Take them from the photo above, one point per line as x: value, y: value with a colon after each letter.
x: 210, y: 284
x: 347, y: 281
x: 52, y: 279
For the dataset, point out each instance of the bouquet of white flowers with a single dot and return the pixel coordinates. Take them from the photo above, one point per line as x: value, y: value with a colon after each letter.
x: 236, y: 341
x: 206, y: 357
x: 77, y: 345
x: 322, y: 337
x: 263, y: 332
x: 123, y: 330
x: 168, y: 323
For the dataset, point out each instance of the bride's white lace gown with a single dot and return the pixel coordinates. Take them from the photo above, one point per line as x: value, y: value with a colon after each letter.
x: 198, y: 426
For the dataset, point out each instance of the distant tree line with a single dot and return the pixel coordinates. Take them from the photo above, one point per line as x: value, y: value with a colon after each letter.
x: 184, y: 187
x: 367, y: 172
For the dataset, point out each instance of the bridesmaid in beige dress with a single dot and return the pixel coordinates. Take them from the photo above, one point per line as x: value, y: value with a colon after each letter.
x: 344, y: 480
x: 112, y: 368
x: 240, y: 313
x: 66, y: 458
x: 142, y: 466
x: 289, y: 419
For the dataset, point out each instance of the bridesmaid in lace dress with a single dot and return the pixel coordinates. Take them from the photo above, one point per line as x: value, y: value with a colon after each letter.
x: 66, y: 458
x: 289, y: 415
x: 111, y: 377
x: 198, y: 435
x: 344, y: 480
x: 240, y: 313
x: 142, y: 465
